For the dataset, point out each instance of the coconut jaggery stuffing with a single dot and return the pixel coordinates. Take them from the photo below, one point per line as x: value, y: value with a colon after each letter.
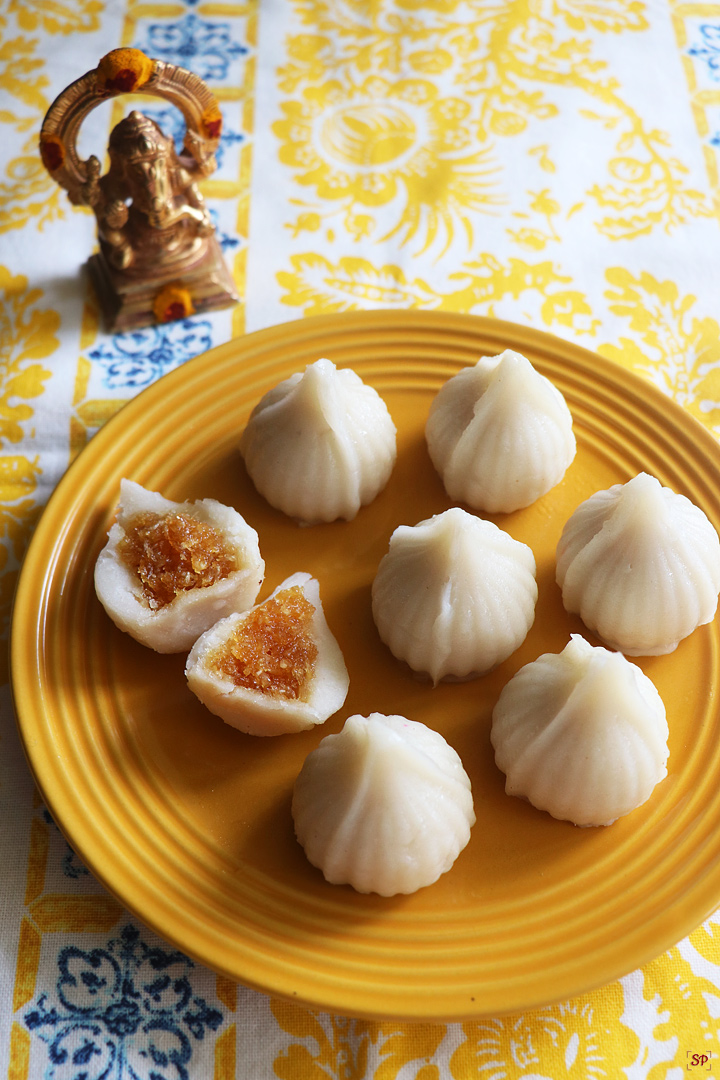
x: 172, y: 553
x: 271, y: 650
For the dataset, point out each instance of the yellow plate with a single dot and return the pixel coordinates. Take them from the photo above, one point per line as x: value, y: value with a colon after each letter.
x: 188, y: 822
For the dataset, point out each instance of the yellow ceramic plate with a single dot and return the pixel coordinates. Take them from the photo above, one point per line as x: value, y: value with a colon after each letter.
x: 188, y: 822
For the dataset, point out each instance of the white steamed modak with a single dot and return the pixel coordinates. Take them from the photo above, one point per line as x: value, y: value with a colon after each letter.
x: 640, y: 565
x: 581, y: 734
x: 500, y: 434
x: 385, y: 805
x: 320, y: 444
x: 454, y: 595
x: 274, y: 669
x: 170, y: 570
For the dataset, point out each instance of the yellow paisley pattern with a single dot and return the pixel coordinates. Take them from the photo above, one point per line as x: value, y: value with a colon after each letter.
x: 28, y: 198
x: 27, y: 336
x: 677, y: 348
x: 320, y: 288
x: 27, y: 195
x: 382, y: 143
x: 57, y: 16
x: 688, y: 1007
x: 336, y: 1046
x: 508, y: 58
x: 584, y: 1039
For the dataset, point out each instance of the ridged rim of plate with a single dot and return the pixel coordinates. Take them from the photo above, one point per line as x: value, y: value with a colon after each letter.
x: 331, y: 949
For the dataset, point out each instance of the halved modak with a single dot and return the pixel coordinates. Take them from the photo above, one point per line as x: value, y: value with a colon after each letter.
x: 170, y: 570
x: 274, y: 669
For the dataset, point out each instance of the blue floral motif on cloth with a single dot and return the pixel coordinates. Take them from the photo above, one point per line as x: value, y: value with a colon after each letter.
x: 205, y: 47
x: 71, y: 865
x: 123, y: 1012
x: 135, y: 359
x: 709, y: 51
x: 224, y: 239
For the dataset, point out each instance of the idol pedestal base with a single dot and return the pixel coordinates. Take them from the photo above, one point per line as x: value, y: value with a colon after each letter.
x: 128, y: 302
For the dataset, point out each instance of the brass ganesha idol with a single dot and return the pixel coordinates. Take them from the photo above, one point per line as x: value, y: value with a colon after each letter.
x: 159, y: 258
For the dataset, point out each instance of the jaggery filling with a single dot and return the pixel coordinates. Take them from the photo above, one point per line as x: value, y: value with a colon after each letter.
x: 271, y: 650
x: 172, y: 553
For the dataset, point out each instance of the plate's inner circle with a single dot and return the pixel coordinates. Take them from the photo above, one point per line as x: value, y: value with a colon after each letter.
x: 188, y: 821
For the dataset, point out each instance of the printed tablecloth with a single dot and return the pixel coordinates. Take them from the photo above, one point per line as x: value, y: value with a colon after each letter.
x: 552, y: 162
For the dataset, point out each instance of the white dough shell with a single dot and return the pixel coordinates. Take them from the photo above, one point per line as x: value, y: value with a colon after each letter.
x: 320, y: 445
x: 640, y: 565
x: 500, y: 434
x: 259, y: 713
x: 454, y: 595
x: 581, y: 734
x: 385, y: 805
x: 176, y: 626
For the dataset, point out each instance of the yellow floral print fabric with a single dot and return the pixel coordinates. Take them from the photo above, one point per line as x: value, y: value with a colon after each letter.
x: 551, y: 162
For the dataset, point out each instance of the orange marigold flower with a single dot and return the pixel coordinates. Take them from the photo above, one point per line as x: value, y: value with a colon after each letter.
x: 211, y: 121
x: 52, y: 152
x: 172, y: 303
x: 123, y: 70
